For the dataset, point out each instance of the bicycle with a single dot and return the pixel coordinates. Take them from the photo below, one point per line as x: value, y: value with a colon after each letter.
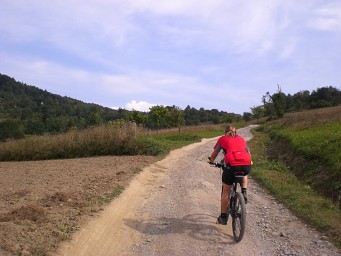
x: 237, y: 205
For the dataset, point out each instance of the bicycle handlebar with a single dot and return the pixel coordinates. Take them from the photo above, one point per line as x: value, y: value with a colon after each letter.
x: 218, y: 165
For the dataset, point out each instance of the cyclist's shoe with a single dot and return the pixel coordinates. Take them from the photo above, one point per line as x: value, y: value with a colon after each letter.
x: 222, y: 220
x: 245, y: 196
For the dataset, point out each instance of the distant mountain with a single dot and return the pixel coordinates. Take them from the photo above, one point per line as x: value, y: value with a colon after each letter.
x: 38, y: 111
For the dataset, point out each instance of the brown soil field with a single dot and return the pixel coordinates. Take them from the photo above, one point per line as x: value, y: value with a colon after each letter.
x: 42, y: 203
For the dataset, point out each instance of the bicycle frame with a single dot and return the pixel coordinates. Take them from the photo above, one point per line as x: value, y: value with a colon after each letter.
x: 237, y: 206
x: 238, y: 179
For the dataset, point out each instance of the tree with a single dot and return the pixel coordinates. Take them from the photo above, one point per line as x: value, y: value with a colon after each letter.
x: 58, y: 124
x: 279, y: 102
x: 192, y: 116
x: 301, y: 100
x: 215, y: 116
x: 258, y: 112
x: 94, y: 119
x: 203, y: 115
x: 247, y: 116
x: 11, y: 129
x: 325, y: 97
x: 157, y: 116
x: 137, y: 116
x: 35, y: 127
x: 175, y: 117
x: 274, y: 105
x: 268, y: 105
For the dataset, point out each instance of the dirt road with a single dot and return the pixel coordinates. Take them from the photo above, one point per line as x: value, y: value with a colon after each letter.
x: 171, y: 207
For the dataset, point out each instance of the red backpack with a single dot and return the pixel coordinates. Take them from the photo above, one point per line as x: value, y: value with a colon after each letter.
x: 236, y: 150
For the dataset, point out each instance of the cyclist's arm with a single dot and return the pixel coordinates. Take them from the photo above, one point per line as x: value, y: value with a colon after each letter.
x: 215, y: 153
x: 249, y: 151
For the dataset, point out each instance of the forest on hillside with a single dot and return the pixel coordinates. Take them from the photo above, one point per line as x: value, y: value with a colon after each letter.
x: 28, y: 110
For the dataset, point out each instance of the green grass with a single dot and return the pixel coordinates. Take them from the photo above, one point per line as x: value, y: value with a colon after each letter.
x: 321, y: 142
x: 295, y: 194
x: 109, y: 196
x: 319, y: 148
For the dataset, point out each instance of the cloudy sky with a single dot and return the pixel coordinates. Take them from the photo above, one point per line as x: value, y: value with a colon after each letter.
x: 216, y: 54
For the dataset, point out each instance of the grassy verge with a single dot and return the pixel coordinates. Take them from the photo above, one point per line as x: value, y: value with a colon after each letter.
x: 313, y: 154
x: 295, y: 194
x: 105, y: 140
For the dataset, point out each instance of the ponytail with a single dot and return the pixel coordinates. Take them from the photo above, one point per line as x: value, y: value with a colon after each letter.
x: 230, y: 131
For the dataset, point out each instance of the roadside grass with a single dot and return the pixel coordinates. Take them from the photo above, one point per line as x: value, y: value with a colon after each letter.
x: 297, y: 195
x: 109, y: 196
x: 104, y: 140
x: 309, y: 143
x: 321, y: 142
x: 320, y: 145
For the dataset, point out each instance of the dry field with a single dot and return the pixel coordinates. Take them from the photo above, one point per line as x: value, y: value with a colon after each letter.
x: 43, y: 202
x: 310, y: 118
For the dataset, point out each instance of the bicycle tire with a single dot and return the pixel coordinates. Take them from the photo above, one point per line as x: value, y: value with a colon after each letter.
x: 238, y: 217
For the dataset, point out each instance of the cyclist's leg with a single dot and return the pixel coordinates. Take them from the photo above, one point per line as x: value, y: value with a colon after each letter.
x: 225, y: 201
x: 225, y: 198
x: 247, y: 170
x: 245, y: 181
x: 244, y: 188
x: 227, y: 180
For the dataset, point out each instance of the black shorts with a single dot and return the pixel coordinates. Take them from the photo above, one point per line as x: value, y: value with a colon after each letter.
x: 228, y: 172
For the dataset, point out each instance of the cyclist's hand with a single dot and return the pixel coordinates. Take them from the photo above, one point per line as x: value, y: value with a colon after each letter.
x: 209, y: 160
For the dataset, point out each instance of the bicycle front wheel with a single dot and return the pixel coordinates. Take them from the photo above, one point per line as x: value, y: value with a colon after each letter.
x: 238, y: 217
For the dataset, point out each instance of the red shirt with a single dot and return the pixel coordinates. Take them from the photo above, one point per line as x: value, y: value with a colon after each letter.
x: 235, y: 149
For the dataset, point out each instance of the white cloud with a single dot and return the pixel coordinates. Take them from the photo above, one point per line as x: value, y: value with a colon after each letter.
x: 244, y: 26
x: 98, y: 31
x: 328, y: 23
x: 172, y: 52
x: 328, y: 17
x: 139, y: 106
x: 148, y: 82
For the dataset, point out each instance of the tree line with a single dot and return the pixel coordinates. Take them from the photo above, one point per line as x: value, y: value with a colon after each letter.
x: 276, y: 105
x: 28, y: 110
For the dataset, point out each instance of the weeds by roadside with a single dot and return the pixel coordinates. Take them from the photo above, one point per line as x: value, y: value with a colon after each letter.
x: 297, y: 195
x: 101, y: 141
x: 309, y: 143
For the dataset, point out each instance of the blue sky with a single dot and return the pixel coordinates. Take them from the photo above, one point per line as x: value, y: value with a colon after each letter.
x: 216, y: 54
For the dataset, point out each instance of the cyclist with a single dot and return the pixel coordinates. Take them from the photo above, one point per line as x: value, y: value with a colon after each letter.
x: 237, y: 158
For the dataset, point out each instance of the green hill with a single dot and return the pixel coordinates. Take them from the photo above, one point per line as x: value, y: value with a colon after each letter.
x: 28, y: 110
x: 39, y: 111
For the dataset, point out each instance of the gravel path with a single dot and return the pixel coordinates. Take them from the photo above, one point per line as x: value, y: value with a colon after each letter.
x: 171, y: 209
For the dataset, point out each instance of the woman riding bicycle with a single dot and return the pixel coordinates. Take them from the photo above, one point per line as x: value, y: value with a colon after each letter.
x: 237, y: 159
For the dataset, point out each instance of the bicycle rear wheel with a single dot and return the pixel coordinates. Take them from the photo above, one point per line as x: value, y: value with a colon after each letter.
x: 238, y: 217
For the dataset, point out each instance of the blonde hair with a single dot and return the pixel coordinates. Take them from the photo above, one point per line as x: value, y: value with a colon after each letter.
x: 230, y: 131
